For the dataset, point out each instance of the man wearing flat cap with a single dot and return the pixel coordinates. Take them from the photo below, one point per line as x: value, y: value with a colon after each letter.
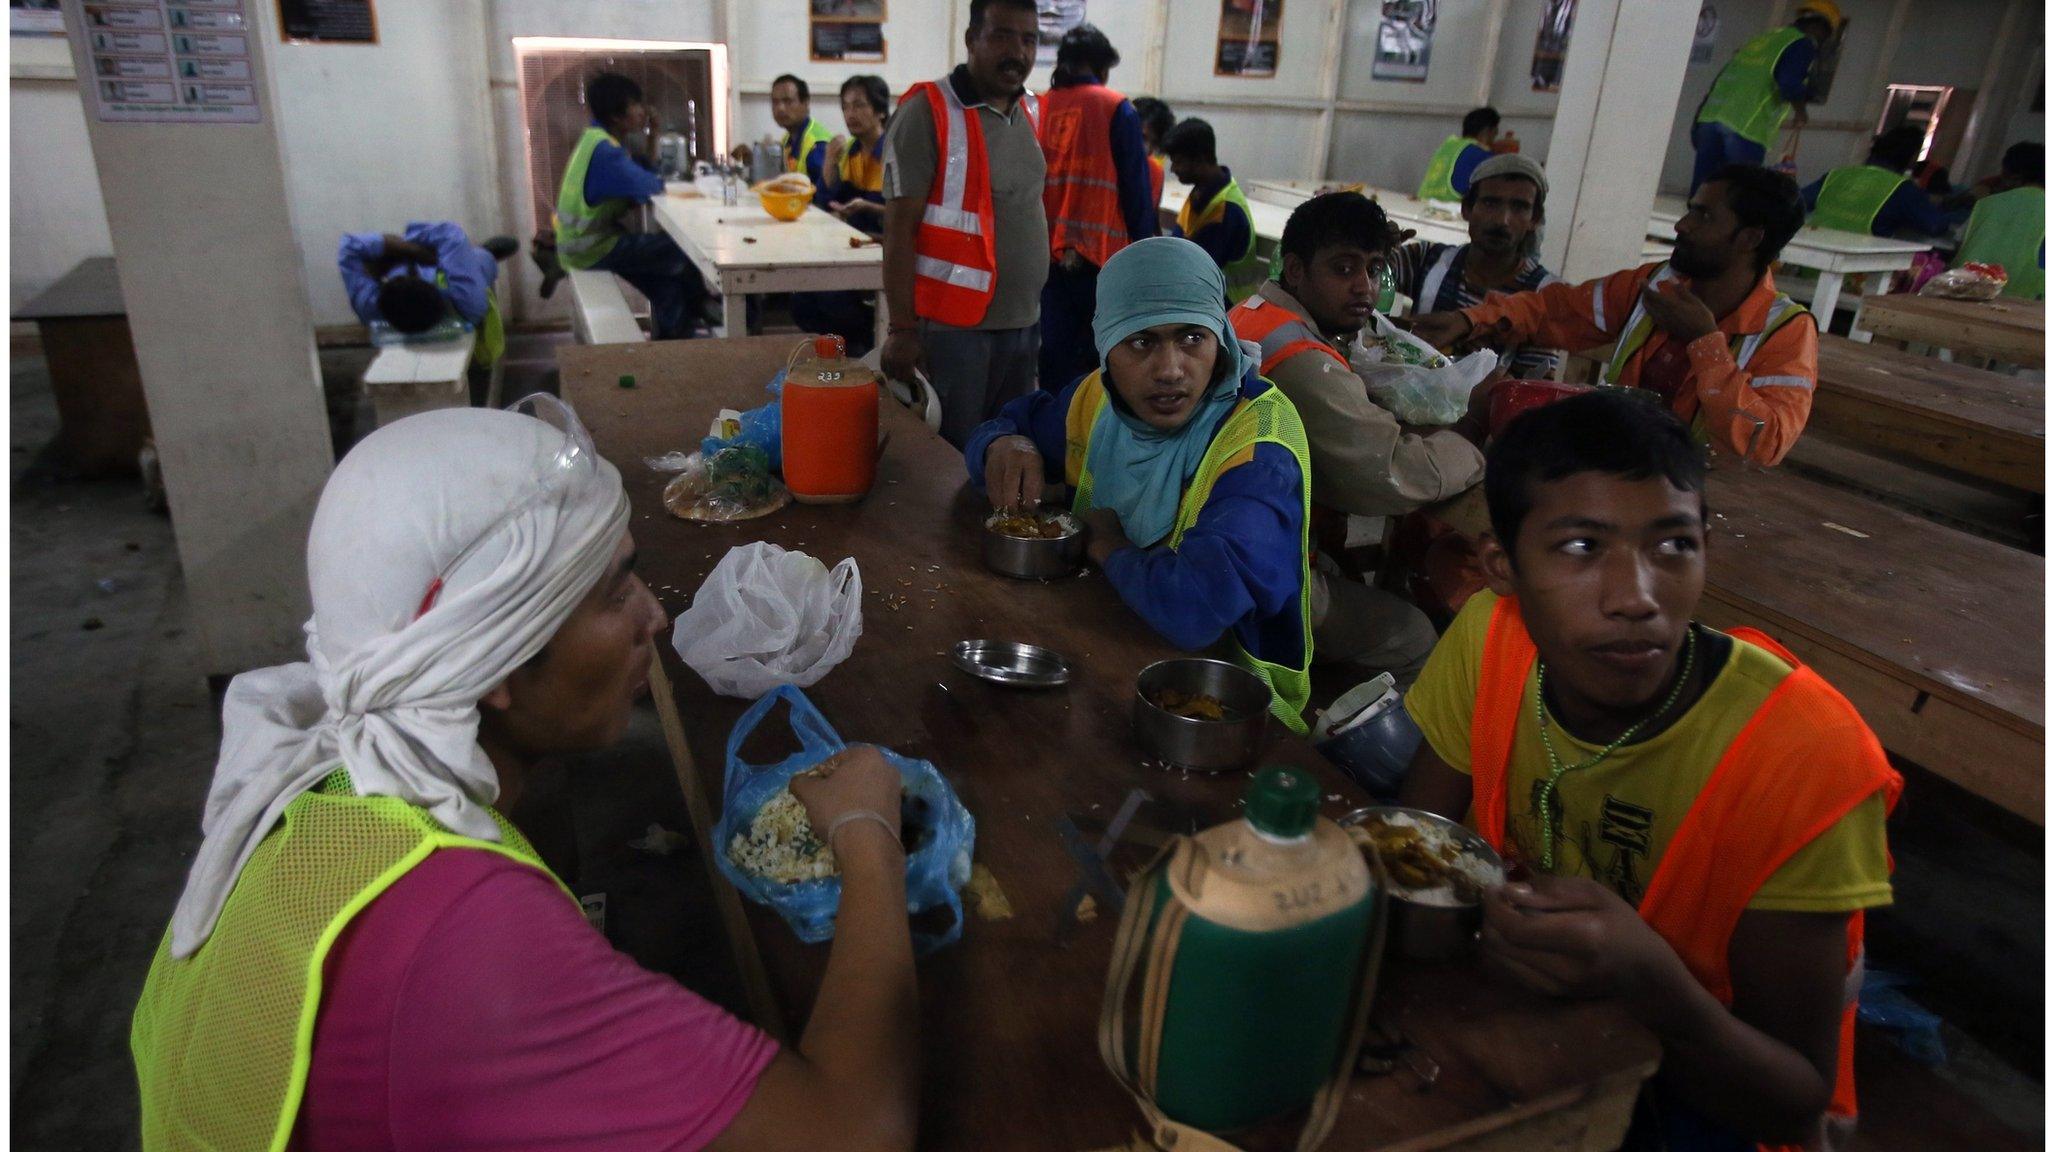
x: 1503, y: 208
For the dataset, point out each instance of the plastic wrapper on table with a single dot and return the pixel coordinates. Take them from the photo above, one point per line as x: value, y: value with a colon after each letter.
x: 766, y: 617
x: 731, y: 484
x: 938, y: 830
x: 1414, y: 381
x: 1972, y: 281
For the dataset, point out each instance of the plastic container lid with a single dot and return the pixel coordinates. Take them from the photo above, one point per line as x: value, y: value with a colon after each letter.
x: 829, y: 347
x: 1282, y: 802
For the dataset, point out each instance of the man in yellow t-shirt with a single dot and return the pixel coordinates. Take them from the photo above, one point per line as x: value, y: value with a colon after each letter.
x: 1701, y: 817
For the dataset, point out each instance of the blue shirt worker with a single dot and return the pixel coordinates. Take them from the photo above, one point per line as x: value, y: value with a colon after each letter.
x: 804, y: 140
x: 414, y: 281
x: 1449, y: 175
x: 1878, y: 197
x: 1098, y: 196
x: 1216, y: 214
x: 1767, y: 80
x: 1189, y: 468
x: 601, y: 182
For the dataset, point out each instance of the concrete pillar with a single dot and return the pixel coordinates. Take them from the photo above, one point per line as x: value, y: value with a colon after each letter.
x: 212, y: 278
x: 1622, y: 75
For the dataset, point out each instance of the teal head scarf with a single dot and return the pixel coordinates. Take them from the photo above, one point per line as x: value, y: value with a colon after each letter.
x: 1140, y: 471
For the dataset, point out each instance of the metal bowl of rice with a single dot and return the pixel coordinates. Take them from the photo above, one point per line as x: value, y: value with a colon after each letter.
x: 1434, y: 869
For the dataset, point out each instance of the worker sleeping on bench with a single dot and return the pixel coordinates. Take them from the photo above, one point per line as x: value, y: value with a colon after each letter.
x: 1701, y: 816
x: 415, y: 281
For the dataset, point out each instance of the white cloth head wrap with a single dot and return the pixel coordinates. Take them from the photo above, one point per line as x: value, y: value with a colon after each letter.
x: 390, y: 691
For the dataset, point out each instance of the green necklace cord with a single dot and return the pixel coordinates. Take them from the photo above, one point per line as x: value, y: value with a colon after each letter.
x: 1548, y: 788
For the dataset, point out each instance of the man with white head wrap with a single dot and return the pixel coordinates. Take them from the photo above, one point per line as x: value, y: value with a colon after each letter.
x: 368, y: 955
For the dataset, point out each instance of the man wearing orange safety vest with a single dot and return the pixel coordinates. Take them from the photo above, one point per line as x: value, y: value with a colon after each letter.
x: 964, y: 239
x: 1098, y: 197
x: 1694, y: 820
x: 1708, y: 332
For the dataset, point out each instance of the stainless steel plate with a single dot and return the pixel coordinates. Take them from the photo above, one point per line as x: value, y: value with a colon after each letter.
x: 1019, y: 665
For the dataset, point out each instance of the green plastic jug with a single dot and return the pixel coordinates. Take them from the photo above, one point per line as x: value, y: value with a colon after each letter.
x: 1253, y: 947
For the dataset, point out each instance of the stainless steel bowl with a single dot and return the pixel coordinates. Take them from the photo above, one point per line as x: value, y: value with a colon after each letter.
x: 1004, y: 662
x: 1035, y: 559
x: 1430, y: 931
x: 1212, y: 745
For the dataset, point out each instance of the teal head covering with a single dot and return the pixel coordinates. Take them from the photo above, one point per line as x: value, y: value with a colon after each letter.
x: 1140, y: 471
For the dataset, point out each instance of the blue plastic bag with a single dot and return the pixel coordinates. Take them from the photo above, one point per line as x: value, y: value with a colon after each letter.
x: 1884, y: 1003
x: 942, y: 830
x: 759, y: 427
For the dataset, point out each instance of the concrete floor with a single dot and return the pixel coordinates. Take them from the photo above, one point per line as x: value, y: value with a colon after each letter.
x: 113, y: 738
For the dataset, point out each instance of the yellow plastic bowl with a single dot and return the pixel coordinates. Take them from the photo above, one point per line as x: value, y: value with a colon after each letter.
x: 785, y: 205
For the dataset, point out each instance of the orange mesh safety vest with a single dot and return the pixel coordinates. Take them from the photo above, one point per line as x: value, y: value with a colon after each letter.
x: 1081, y: 206
x: 1281, y: 335
x: 956, y: 238
x: 1158, y: 168
x: 1763, y: 803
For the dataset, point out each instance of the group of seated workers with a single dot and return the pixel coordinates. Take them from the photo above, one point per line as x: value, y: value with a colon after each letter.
x: 369, y: 954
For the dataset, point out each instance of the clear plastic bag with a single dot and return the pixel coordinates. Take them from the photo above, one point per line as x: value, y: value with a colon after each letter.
x: 735, y: 483
x: 1414, y: 381
x: 767, y: 617
x: 938, y: 830
x: 1972, y: 281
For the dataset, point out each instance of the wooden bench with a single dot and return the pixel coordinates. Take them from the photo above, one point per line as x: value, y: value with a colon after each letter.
x: 1971, y: 420
x: 83, y: 325
x: 1934, y: 634
x: 2002, y: 329
x: 602, y: 314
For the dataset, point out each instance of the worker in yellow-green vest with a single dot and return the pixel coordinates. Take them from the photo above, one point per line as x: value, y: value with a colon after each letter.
x: 1877, y: 197
x: 427, y: 278
x: 1766, y: 81
x: 1215, y: 215
x: 1190, y: 469
x: 603, y: 180
x: 804, y: 140
x: 1449, y: 174
x: 2006, y: 224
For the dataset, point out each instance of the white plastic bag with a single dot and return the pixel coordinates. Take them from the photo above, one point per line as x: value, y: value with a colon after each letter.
x: 766, y: 616
x: 1415, y: 382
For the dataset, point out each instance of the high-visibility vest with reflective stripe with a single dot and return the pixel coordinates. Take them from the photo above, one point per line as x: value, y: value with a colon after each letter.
x: 1280, y: 335
x: 2006, y: 229
x: 1765, y: 800
x: 490, y: 331
x: 1082, y: 208
x: 1243, y: 275
x: 1635, y: 333
x: 814, y: 136
x: 1745, y: 95
x: 1268, y: 418
x: 583, y: 234
x: 223, y: 1039
x: 1850, y: 198
x: 956, y: 237
x: 1436, y: 179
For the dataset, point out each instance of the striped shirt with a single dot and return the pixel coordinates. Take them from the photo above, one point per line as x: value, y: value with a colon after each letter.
x: 1433, y: 275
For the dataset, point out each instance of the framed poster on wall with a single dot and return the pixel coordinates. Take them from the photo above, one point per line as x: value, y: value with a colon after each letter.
x: 327, y: 21
x: 1546, y: 68
x: 849, y: 31
x: 1401, y: 50
x: 1248, y: 38
x: 1055, y: 19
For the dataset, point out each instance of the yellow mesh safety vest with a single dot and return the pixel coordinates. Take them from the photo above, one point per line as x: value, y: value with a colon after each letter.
x: 814, y: 135
x: 1745, y: 95
x: 1850, y: 198
x: 1636, y: 331
x: 223, y: 1040
x: 583, y: 234
x: 2006, y: 229
x: 1436, y: 179
x: 1243, y: 275
x: 1268, y: 418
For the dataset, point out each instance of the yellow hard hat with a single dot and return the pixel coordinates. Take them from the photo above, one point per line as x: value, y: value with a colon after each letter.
x: 1827, y: 10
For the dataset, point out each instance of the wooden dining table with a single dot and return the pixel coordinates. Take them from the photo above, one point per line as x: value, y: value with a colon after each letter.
x: 1981, y: 423
x: 1008, y: 1014
x: 742, y: 251
x: 2008, y: 330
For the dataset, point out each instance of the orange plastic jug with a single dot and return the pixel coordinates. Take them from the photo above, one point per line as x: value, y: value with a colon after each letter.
x: 830, y: 416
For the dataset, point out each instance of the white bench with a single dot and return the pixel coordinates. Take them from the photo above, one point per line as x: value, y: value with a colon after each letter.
x: 409, y: 378
x: 602, y: 314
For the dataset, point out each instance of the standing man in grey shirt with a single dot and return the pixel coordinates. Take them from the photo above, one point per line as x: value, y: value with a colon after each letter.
x: 964, y: 244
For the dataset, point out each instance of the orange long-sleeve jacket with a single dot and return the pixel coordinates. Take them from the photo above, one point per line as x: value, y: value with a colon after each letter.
x: 1749, y: 385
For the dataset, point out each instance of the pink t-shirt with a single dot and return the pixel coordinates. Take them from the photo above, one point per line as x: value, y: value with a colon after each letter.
x: 470, y: 1006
